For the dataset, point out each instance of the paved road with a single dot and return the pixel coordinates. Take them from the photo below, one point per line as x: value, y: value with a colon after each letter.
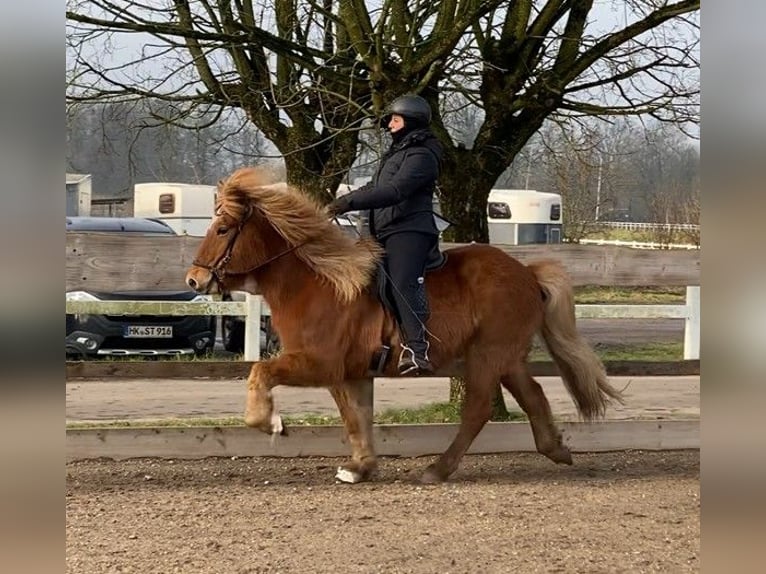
x: 625, y: 331
x: 95, y: 400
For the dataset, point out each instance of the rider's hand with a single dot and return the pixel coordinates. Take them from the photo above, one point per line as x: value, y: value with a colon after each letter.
x: 339, y: 206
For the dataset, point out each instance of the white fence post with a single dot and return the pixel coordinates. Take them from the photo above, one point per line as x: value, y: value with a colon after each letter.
x: 253, y: 328
x: 692, y: 331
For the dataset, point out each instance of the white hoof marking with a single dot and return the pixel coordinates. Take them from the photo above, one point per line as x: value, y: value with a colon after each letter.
x: 276, y: 424
x: 347, y: 476
x: 276, y: 428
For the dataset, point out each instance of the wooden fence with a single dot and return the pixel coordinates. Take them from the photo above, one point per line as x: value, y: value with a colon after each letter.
x: 106, y: 262
x: 110, y: 262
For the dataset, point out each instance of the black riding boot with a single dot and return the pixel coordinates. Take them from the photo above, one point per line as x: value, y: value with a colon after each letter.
x: 406, y: 254
x: 413, y: 359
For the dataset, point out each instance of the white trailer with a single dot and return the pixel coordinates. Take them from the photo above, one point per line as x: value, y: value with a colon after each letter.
x: 524, y: 216
x: 187, y: 208
x: 78, y: 194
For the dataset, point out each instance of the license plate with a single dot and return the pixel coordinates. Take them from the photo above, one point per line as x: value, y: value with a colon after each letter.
x: 148, y: 331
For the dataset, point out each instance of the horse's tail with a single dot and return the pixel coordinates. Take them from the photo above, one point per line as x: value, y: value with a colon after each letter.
x: 583, y: 372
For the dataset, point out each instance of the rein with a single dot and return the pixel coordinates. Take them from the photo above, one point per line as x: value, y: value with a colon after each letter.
x: 218, y: 267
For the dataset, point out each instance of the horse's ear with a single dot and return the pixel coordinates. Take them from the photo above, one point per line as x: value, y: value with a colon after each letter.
x: 249, y: 209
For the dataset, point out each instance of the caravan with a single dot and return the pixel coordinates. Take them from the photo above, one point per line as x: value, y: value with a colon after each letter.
x: 524, y: 216
x: 187, y: 208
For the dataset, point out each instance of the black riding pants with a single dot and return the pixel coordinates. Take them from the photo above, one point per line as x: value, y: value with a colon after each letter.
x: 406, y: 255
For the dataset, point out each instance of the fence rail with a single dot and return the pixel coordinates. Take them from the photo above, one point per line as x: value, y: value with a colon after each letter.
x: 639, y: 244
x: 105, y: 263
x: 254, y: 307
x: 651, y: 226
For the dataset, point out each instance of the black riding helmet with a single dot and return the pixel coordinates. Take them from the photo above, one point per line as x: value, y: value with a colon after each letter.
x: 410, y: 107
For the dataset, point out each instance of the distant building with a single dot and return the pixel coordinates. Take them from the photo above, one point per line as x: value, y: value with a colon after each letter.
x: 112, y: 207
x: 78, y: 194
x: 81, y: 201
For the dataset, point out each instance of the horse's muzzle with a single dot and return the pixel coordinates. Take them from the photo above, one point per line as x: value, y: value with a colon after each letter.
x: 201, y: 280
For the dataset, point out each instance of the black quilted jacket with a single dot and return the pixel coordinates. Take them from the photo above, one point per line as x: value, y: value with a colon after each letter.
x: 400, y: 195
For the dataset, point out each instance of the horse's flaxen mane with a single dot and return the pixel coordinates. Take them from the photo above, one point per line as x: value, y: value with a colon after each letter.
x: 346, y: 264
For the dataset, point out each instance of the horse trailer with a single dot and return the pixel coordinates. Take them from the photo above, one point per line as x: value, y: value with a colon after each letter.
x: 524, y: 216
x: 78, y: 194
x: 187, y: 208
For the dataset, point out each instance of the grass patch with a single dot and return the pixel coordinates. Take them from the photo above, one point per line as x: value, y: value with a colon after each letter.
x: 647, y: 295
x: 432, y: 413
x: 171, y: 422
x: 644, y: 352
x: 671, y: 351
x: 643, y: 235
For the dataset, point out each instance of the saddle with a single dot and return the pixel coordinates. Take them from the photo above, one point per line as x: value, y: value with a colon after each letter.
x: 435, y: 260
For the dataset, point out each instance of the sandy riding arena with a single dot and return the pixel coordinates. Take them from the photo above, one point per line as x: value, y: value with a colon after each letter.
x: 610, y: 512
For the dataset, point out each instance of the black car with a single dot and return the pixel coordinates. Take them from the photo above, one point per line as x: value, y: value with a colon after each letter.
x: 143, y: 335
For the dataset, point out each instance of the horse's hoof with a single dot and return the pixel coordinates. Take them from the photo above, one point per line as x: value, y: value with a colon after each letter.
x: 348, y: 476
x: 560, y: 455
x: 431, y: 476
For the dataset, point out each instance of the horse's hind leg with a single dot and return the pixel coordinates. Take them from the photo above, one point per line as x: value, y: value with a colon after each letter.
x: 529, y: 394
x: 480, y: 388
x: 354, y: 400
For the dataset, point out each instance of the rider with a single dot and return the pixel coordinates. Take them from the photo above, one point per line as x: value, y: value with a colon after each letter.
x: 400, y: 197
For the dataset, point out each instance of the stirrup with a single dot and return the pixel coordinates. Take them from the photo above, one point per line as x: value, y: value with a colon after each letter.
x: 410, y: 364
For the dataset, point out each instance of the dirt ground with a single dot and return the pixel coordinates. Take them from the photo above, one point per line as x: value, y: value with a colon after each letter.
x: 610, y: 512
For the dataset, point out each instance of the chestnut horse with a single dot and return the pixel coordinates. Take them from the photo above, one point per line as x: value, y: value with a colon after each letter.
x: 485, y: 306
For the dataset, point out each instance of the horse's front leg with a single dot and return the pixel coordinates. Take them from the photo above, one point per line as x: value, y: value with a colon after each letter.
x: 292, y: 369
x: 259, y: 408
x: 354, y: 400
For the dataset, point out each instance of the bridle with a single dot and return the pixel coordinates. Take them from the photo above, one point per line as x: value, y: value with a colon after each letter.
x: 218, y: 267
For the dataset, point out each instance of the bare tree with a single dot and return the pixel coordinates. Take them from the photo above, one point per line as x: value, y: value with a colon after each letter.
x: 667, y: 182
x: 120, y: 145
x: 310, y: 74
x: 588, y: 163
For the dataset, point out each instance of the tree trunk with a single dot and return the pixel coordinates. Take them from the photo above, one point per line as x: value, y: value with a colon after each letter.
x: 316, y: 163
x: 467, y: 178
x: 314, y: 174
x: 499, y: 410
x: 457, y: 395
x: 464, y: 193
x: 456, y: 390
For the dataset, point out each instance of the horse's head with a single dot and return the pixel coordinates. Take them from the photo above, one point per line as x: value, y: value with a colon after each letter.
x: 239, y: 239
x: 257, y: 223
